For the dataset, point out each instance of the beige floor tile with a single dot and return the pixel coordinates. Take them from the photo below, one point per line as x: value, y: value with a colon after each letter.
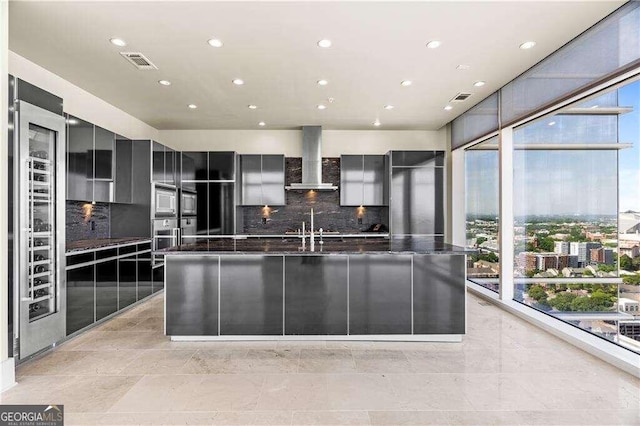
x: 119, y: 323
x: 580, y: 417
x: 326, y: 361
x: 294, y: 392
x: 139, y: 419
x: 226, y: 392
x: 381, y: 361
x: 497, y: 392
x: 477, y: 418
x: 331, y: 418
x: 82, y: 419
x: 453, y: 362
x: 268, y: 361
x: 251, y: 418
x: 96, y: 363
x: 361, y: 392
x: 426, y: 392
x: 214, y: 361
x: 53, y: 363
x: 398, y: 418
x: 158, y: 362
x: 119, y: 340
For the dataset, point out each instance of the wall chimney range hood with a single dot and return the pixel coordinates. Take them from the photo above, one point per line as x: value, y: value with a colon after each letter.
x: 312, y: 162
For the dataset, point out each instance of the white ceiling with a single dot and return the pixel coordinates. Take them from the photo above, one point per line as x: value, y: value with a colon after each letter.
x: 272, y: 47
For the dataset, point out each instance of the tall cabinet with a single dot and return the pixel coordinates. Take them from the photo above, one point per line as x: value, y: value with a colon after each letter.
x: 417, y: 187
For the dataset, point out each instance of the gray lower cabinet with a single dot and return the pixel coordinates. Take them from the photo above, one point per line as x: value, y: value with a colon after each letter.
x: 101, y: 282
x: 251, y: 295
x: 438, y: 297
x: 157, y: 279
x: 316, y: 295
x: 80, y: 298
x: 380, y: 294
x: 191, y: 304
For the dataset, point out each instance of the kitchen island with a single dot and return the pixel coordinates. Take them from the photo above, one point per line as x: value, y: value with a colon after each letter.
x: 408, y: 288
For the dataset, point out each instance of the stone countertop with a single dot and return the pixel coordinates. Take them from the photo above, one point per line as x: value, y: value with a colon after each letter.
x: 293, y: 246
x: 98, y: 243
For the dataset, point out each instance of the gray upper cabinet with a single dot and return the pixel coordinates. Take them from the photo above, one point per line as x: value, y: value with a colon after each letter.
x: 164, y: 164
x: 262, y: 180
x: 132, y: 172
x: 90, y: 151
x: 363, y: 180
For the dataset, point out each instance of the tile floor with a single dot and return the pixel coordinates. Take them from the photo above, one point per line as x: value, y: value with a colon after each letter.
x: 126, y: 372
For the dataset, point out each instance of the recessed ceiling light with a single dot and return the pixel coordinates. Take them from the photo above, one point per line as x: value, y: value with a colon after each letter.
x: 238, y: 81
x: 479, y: 83
x: 322, y: 106
x: 448, y: 108
x: 389, y: 107
x: 527, y: 45
x: 377, y: 123
x: 118, y: 42
x: 164, y: 82
x: 552, y: 123
x: 406, y: 83
x: 323, y: 82
x: 214, y: 42
x: 192, y: 106
x: 463, y: 67
x: 434, y: 44
x: 252, y: 106
x: 324, y: 43
x: 262, y: 124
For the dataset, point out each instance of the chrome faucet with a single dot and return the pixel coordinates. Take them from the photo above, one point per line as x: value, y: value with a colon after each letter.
x: 312, y: 242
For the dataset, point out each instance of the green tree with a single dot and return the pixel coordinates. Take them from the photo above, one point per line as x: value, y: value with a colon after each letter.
x: 562, y: 301
x: 537, y: 292
x: 575, y: 286
x: 480, y: 240
x: 631, y: 279
x: 606, y: 268
x: 546, y: 244
x: 626, y: 263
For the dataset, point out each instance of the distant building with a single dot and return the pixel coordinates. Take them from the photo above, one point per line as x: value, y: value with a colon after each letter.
x: 582, y: 250
x: 601, y: 255
x: 632, y: 252
x: 629, y: 306
x: 629, y: 223
x: 526, y: 260
x: 561, y: 247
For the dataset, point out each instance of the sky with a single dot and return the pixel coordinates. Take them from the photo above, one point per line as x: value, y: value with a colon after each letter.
x: 566, y: 182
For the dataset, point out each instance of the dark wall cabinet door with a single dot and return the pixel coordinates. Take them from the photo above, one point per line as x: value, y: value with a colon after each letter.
x: 158, y: 162
x: 251, y: 295
x: 127, y: 281
x: 158, y: 279
x: 222, y: 165
x: 439, y: 294
x: 220, y: 208
x: 80, y: 298
x: 141, y: 175
x: 104, y: 147
x: 187, y: 315
x: 379, y: 294
x: 79, y: 159
x: 316, y: 295
x: 169, y: 166
x: 124, y: 171
x: 106, y: 288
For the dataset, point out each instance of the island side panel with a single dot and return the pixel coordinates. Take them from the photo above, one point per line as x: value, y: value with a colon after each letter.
x: 316, y: 295
x: 439, y: 294
x: 191, y: 296
x: 380, y: 294
x: 251, y: 295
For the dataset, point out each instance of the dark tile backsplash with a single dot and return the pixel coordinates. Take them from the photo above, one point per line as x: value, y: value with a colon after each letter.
x: 328, y: 214
x: 87, y: 221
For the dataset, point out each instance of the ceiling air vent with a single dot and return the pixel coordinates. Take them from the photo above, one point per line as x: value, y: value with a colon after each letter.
x: 461, y: 97
x: 139, y: 61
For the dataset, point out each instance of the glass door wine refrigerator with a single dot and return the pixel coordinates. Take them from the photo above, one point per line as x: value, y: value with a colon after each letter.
x: 39, y: 184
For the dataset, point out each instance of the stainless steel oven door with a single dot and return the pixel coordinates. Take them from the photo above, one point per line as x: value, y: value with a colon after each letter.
x: 166, y: 233
x: 165, y: 202
x: 188, y: 204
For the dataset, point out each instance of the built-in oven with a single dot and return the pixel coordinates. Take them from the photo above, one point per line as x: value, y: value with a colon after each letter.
x: 166, y: 233
x: 164, y: 202
x: 188, y: 204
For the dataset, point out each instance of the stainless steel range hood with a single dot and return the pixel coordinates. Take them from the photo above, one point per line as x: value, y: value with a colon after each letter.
x: 312, y: 161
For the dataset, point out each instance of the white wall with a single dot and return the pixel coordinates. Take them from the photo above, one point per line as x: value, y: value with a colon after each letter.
x: 289, y: 142
x: 79, y: 102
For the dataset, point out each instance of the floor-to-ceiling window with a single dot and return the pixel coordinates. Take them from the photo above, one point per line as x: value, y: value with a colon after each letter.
x: 481, y: 201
